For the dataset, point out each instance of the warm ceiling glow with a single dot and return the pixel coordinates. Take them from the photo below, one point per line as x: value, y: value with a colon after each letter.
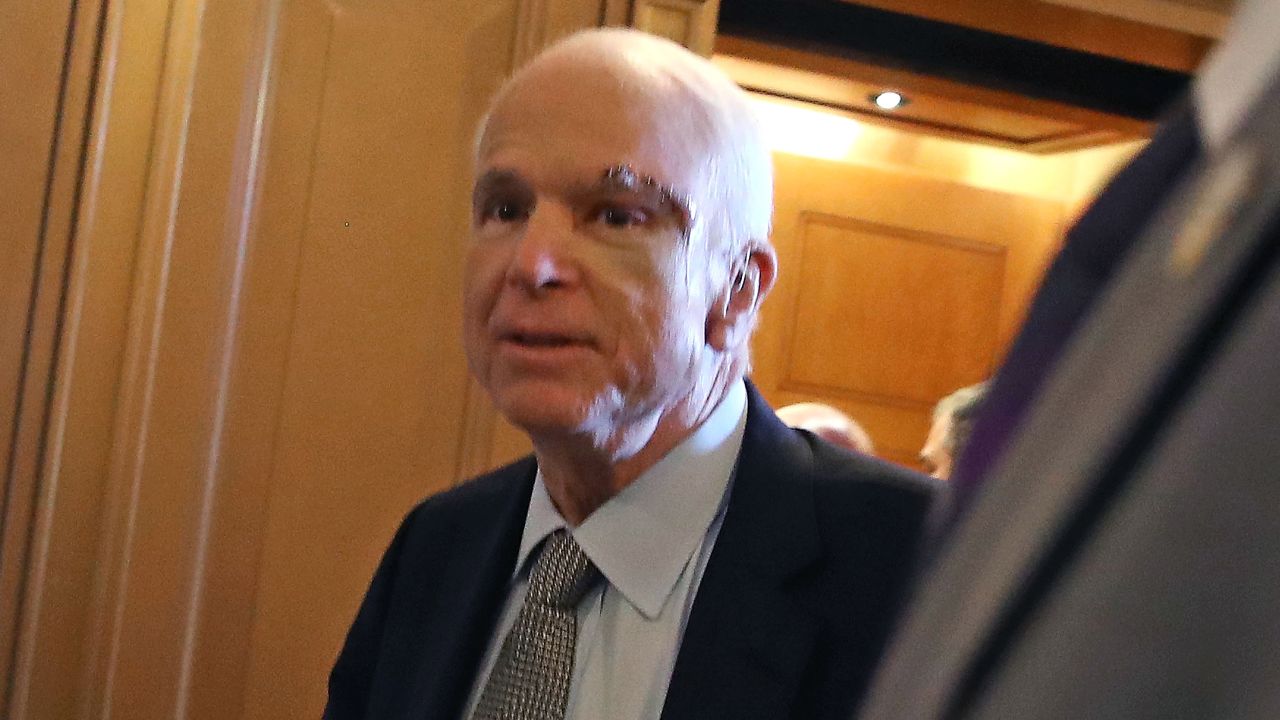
x: 793, y: 128
x: 889, y: 100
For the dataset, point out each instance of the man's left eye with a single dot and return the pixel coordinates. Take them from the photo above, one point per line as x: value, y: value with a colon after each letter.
x: 620, y: 217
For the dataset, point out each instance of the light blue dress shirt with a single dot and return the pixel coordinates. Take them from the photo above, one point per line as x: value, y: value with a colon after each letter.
x: 651, y: 542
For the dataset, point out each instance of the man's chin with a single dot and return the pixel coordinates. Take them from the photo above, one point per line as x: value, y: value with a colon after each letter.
x: 545, y: 413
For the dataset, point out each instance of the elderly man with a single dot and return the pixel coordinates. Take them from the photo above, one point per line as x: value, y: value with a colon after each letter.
x: 671, y: 549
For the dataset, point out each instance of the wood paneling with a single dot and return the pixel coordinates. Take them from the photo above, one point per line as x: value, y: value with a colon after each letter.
x: 893, y: 290
x: 691, y: 23
x: 376, y: 385
x: 32, y: 58
x: 262, y: 369
x: 910, y: 315
x: 47, y: 68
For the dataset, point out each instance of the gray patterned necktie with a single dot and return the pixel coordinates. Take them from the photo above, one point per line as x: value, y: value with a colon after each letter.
x: 530, y: 679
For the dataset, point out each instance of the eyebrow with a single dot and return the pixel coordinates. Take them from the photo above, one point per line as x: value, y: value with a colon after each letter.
x: 624, y: 177
x: 616, y: 178
x: 493, y: 179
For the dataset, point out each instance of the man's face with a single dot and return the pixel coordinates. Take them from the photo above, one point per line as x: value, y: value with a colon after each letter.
x: 584, y: 308
x: 934, y: 455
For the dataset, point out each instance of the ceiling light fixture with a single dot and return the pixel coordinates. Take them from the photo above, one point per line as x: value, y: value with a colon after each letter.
x: 889, y: 100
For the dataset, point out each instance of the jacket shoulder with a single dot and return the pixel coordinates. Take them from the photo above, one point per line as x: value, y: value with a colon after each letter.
x: 873, y: 515
x: 477, y: 496
x: 842, y: 473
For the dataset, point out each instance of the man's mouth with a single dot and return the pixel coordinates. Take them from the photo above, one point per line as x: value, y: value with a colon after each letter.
x: 543, y: 340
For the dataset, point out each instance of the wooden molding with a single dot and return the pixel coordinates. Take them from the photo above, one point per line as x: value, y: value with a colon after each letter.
x: 615, y: 13
x: 1205, y: 18
x: 946, y: 108
x: 48, y: 75
x: 134, y: 522
x: 531, y: 30
x: 691, y: 23
x: 896, y: 198
x: 1076, y: 28
x: 541, y: 22
x: 807, y: 222
x: 186, y: 493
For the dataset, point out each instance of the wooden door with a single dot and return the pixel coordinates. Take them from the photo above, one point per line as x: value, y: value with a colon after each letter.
x: 894, y: 290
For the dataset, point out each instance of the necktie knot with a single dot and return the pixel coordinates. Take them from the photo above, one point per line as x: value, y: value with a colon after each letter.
x: 563, y: 573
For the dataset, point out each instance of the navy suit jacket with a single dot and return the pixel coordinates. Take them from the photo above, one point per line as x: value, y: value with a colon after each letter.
x: 788, y: 622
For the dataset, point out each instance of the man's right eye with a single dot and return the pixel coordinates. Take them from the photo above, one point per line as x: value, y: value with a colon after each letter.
x: 504, y: 212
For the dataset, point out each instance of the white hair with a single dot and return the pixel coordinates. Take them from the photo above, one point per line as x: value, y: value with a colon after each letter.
x: 828, y: 423
x: 738, y: 190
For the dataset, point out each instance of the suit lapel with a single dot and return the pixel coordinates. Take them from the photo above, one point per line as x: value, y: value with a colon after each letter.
x: 476, y: 566
x: 746, y: 643
x: 1132, y: 358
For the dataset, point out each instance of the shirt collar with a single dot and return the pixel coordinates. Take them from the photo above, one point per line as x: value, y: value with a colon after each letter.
x: 1238, y: 71
x: 642, y: 538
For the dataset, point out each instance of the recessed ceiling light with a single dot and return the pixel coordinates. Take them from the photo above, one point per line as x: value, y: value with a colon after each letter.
x: 888, y: 100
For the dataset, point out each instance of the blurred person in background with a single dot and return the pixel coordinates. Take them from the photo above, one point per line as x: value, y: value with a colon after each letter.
x: 953, y: 420
x: 829, y: 424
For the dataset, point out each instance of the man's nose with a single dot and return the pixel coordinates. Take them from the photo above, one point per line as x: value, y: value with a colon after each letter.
x: 543, y: 256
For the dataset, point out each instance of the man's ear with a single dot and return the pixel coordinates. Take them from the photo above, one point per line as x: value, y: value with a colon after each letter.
x: 732, y: 317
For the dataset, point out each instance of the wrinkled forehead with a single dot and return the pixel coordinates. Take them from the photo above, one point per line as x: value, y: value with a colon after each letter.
x: 601, y: 115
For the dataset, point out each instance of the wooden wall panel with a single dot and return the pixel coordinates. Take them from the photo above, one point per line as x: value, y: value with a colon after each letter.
x: 32, y: 59
x: 894, y: 289
x: 172, y: 480
x: 909, y: 315
x: 33, y: 46
x: 376, y: 381
x: 48, y: 56
x: 691, y: 23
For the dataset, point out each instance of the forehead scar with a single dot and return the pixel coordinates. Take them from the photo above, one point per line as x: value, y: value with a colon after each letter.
x: 624, y: 177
